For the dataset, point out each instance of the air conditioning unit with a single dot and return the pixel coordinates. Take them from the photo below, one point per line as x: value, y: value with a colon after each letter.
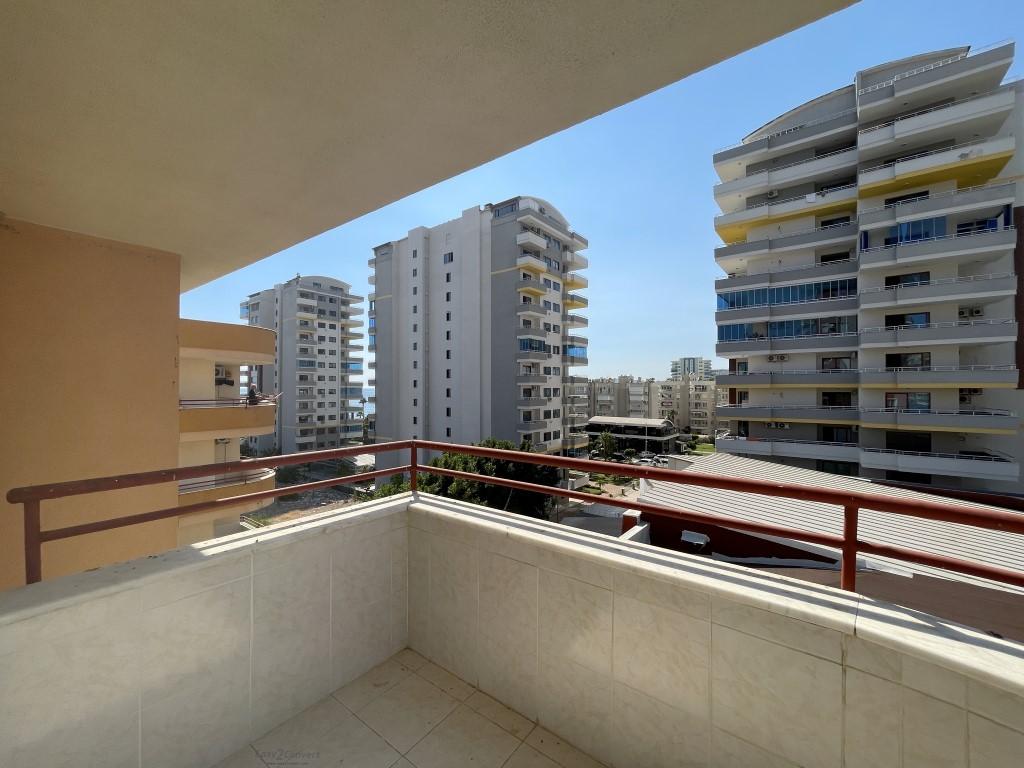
x: 782, y: 358
x: 977, y: 311
x: 772, y: 193
x: 963, y: 313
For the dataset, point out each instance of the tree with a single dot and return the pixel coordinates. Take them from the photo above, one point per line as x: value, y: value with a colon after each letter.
x: 396, y: 484
x: 629, y: 453
x: 494, y: 496
x: 606, y: 445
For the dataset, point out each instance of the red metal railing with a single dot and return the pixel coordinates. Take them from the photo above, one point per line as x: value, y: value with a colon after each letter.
x: 848, y: 543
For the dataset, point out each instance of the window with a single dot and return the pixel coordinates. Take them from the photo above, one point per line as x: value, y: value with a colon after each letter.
x: 321, y: 338
x: 832, y: 364
x: 447, y: 373
x: 891, y: 201
x: 415, y: 327
x: 908, y: 360
x: 415, y: 402
x: 448, y: 392
x: 448, y: 412
x: 447, y: 354
x: 447, y: 431
x: 448, y: 317
x: 909, y: 401
x: 922, y: 229
x: 415, y: 345
x: 415, y: 290
x: 414, y: 253
x: 914, y: 319
x: 838, y: 467
x: 837, y: 399
x: 912, y: 278
x: 415, y: 364
x: 447, y: 295
x: 978, y: 225
x: 415, y: 420
x: 447, y: 335
x: 414, y: 271
x: 447, y: 277
x: 449, y: 258
x: 415, y: 309
x: 415, y: 383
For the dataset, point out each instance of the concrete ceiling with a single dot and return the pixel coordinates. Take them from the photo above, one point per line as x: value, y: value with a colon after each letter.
x: 229, y: 130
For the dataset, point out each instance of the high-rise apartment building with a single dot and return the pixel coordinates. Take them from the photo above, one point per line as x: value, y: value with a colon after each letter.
x: 869, y: 310
x: 694, y: 367
x: 475, y: 330
x: 315, y: 369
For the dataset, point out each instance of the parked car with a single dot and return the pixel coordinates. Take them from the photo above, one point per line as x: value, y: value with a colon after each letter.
x: 660, y: 461
x: 646, y: 455
x: 645, y: 462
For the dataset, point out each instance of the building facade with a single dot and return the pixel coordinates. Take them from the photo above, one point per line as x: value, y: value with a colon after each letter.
x: 869, y: 310
x: 475, y: 329
x: 694, y: 367
x: 317, y: 363
x: 627, y: 396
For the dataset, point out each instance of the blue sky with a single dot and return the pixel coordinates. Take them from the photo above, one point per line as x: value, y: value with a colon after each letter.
x: 637, y: 181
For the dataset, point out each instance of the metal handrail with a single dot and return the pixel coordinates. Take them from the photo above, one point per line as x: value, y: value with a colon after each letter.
x: 852, y: 148
x: 931, y: 454
x: 938, y: 107
x: 901, y: 369
x: 822, y: 193
x: 944, y: 324
x: 952, y: 236
x: 229, y: 402
x: 938, y: 195
x: 940, y: 281
x: 853, y: 220
x: 930, y: 66
x: 776, y: 338
x: 221, y: 481
x: 848, y: 408
x: 851, y: 501
x: 907, y: 158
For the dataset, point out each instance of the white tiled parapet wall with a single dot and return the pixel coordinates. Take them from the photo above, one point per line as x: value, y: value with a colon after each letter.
x: 636, y: 655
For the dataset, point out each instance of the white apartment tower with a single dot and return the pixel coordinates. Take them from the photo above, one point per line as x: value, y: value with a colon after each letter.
x: 316, y: 365
x: 869, y: 308
x: 694, y: 367
x: 474, y: 328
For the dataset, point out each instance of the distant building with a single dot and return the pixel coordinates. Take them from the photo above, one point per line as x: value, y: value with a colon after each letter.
x: 654, y: 435
x: 694, y: 367
x: 475, y: 328
x: 315, y: 320
x: 640, y: 398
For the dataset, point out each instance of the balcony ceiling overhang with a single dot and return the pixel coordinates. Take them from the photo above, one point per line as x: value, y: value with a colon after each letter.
x: 228, y: 131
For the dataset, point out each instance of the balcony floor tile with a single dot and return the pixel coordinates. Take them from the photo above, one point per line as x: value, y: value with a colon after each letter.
x: 400, y: 714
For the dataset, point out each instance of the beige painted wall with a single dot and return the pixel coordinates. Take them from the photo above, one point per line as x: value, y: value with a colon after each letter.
x: 89, y: 388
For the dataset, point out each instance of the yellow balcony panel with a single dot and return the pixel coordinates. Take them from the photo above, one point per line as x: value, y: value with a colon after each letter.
x: 969, y: 165
x: 531, y: 287
x: 225, y: 342
x: 222, y: 487
x: 228, y: 420
x: 575, y: 281
x: 532, y: 264
x: 575, y: 301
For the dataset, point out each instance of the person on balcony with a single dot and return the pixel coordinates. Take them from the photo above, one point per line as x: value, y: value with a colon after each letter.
x: 253, y: 398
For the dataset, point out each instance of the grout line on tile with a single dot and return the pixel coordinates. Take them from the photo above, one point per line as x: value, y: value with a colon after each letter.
x: 436, y: 726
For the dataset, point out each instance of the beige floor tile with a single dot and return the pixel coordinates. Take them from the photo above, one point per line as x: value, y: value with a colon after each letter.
x: 243, y: 758
x: 499, y: 714
x: 409, y: 658
x: 407, y: 712
x: 325, y: 734
x: 528, y: 757
x: 465, y: 739
x: 562, y: 752
x: 378, y: 680
x: 446, y: 681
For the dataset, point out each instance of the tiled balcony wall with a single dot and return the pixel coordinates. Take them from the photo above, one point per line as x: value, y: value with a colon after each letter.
x: 636, y: 655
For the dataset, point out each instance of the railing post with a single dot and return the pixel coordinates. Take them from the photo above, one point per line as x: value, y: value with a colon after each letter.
x: 412, y: 467
x: 33, y: 546
x: 848, y: 572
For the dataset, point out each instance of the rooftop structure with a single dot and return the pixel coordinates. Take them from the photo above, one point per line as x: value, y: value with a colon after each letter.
x: 872, y: 256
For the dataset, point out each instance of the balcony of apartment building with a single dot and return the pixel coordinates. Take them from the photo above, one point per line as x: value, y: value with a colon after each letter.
x: 533, y: 309
x: 575, y: 321
x: 530, y: 286
x: 919, y: 289
x: 747, y: 259
x: 576, y: 301
x: 979, y: 465
x: 574, y: 281
x: 495, y: 639
x: 813, y: 377
x: 951, y: 77
x: 978, y: 419
x: 969, y: 162
x: 785, y: 204
x: 573, y: 261
x: 821, y: 163
x: 990, y: 198
x: 968, y: 375
x: 816, y: 334
x: 574, y: 354
x: 815, y: 414
x: 966, y: 243
x: 827, y: 450
x: 531, y: 262
x: 979, y: 115
x: 980, y: 330
x: 829, y: 297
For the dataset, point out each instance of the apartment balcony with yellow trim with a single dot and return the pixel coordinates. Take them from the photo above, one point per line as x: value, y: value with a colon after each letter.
x: 975, y: 421
x: 731, y: 195
x: 531, y: 287
x: 225, y: 418
x: 575, y: 281
x: 224, y: 486
x: 575, y: 301
x: 969, y: 164
x: 531, y: 263
x: 734, y: 226
x: 225, y: 342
